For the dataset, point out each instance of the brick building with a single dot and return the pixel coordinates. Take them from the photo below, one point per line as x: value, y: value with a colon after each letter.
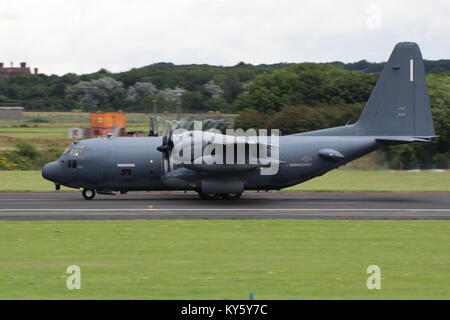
x: 10, y: 71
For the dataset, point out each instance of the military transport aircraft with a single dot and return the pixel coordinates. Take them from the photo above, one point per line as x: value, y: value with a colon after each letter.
x: 397, y: 112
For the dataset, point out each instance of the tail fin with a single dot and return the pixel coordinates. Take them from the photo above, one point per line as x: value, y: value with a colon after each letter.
x: 399, y: 103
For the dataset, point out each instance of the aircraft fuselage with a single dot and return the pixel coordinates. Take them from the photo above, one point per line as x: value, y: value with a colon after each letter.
x: 134, y: 163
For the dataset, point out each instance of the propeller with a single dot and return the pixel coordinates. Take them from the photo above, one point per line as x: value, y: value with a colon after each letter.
x: 167, y: 144
x: 166, y: 148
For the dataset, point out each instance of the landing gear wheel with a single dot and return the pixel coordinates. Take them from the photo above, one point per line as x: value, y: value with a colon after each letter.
x: 88, y: 194
x: 209, y: 196
x: 232, y: 196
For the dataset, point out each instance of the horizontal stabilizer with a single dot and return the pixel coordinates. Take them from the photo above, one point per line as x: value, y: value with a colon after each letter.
x: 400, y: 139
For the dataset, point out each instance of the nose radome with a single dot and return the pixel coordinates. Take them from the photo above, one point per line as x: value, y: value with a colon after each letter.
x: 50, y: 171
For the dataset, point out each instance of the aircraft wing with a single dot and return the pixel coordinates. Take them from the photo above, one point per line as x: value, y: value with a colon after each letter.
x: 225, y: 153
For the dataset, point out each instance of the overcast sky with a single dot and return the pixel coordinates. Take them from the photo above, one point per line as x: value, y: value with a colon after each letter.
x: 82, y: 36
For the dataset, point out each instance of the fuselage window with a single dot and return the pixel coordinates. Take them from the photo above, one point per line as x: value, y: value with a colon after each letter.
x: 74, y: 150
x: 126, y: 172
x: 72, y: 164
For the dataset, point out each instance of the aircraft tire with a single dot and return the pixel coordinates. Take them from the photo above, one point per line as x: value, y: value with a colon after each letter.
x: 209, y: 196
x: 232, y: 196
x: 88, y: 194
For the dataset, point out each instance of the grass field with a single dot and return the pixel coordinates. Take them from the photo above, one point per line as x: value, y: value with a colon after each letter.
x: 76, y: 119
x: 35, y: 132
x: 66, y: 118
x: 225, y: 259
x: 7, y: 143
x: 338, y: 180
x: 61, y: 132
x: 378, y: 180
x: 59, y: 123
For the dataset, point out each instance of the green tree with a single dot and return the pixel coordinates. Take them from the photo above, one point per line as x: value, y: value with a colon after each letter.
x: 435, y: 154
x: 105, y: 93
x: 192, y: 100
x: 306, y: 84
x: 251, y: 119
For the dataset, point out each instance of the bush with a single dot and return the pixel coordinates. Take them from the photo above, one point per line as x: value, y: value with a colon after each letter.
x: 26, y: 149
x: 251, y: 119
x: 5, y: 164
x: 38, y: 120
x: 295, y: 119
x: 26, y: 157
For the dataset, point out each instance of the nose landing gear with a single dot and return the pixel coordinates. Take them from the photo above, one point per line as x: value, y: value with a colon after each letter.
x: 88, y: 194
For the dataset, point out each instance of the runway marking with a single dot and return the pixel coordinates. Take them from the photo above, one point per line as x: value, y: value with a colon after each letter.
x: 231, y: 209
x: 37, y: 199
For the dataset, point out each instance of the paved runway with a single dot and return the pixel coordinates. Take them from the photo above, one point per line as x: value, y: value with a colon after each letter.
x: 273, y: 205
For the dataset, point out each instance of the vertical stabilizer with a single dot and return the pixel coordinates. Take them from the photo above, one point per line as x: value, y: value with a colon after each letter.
x: 399, y: 103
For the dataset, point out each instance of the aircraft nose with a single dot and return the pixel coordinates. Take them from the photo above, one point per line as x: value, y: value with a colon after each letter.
x: 51, y: 171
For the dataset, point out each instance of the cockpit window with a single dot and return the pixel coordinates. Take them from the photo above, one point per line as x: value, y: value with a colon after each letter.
x: 74, y: 150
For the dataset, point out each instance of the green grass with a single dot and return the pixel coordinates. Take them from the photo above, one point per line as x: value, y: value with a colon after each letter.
x: 59, y: 132
x: 51, y: 117
x: 66, y: 118
x: 35, y: 132
x: 338, y: 180
x: 16, y: 180
x: 59, y: 123
x: 378, y: 181
x: 40, y: 144
x: 225, y: 259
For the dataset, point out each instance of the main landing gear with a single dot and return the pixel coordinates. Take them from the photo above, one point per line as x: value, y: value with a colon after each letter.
x: 88, y: 194
x: 232, y: 196
x: 216, y: 196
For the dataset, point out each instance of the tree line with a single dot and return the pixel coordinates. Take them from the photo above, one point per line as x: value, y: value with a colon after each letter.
x: 291, y: 97
x: 195, y: 88
x: 309, y: 97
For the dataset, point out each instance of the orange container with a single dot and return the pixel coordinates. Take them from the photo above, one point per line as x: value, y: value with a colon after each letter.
x: 108, y: 120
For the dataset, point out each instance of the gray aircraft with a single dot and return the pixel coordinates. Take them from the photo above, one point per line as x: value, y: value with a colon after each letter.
x: 397, y: 112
